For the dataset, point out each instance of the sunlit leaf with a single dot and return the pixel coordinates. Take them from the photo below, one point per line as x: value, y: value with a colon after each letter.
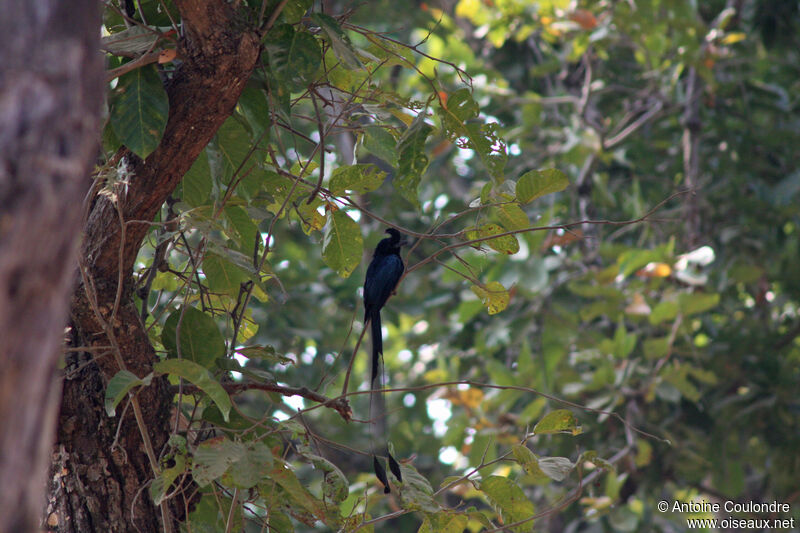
x: 413, y: 161
x: 509, y: 500
x: 358, y: 178
x: 343, y: 244
x: 506, y: 244
x: 380, y: 143
x: 494, y: 296
x: 537, y: 183
x: 558, y: 421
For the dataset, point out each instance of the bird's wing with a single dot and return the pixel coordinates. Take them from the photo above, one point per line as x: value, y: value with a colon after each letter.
x: 383, y: 274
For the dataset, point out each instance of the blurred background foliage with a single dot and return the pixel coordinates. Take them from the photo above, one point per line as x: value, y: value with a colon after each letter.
x: 672, y: 339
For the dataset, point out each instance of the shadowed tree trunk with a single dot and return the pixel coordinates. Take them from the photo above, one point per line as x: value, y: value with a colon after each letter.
x: 102, y: 465
x: 51, y: 90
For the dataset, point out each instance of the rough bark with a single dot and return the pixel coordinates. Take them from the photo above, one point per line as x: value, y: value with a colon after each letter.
x: 101, y: 466
x: 50, y: 96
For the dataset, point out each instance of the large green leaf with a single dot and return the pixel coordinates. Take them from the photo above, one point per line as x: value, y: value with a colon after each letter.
x: 359, y: 178
x: 380, y: 143
x: 413, y: 161
x: 197, y: 181
x: 493, y: 295
x: 457, y: 114
x: 507, y: 497
x: 343, y: 244
x: 458, y: 108
x: 485, y: 140
x: 201, y: 340
x: 511, y: 216
x: 119, y: 385
x: 558, y: 421
x: 242, y: 228
x: 339, y: 41
x: 294, y: 56
x: 255, y: 109
x: 222, y: 275
x: 506, y: 244
x: 536, y: 183
x: 199, y: 376
x: 231, y: 146
x: 301, y: 498
x: 139, y: 110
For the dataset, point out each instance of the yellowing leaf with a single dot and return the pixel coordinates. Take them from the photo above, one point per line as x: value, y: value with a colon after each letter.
x: 558, y: 421
x: 494, y: 296
x: 506, y: 244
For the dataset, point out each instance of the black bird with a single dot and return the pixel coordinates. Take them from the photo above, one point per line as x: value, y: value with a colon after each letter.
x: 383, y: 274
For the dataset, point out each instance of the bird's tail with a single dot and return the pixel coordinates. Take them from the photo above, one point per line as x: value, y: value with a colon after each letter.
x: 377, y: 345
x: 377, y: 405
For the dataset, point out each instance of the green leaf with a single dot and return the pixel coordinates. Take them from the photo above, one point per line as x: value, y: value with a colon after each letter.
x: 245, y: 231
x: 417, y: 492
x: 665, y: 310
x: 267, y: 353
x: 255, y: 108
x: 301, y: 498
x: 484, y: 139
x: 334, y: 484
x: 343, y: 244
x: 506, y: 244
x: 412, y: 161
x: 529, y: 462
x: 310, y: 217
x: 161, y: 484
x: 509, y: 500
x: 212, y: 459
x: 201, y: 340
x: 294, y: 56
x: 252, y: 465
x: 199, y: 376
x: 139, y: 110
x: 197, y: 181
x: 380, y: 143
x: 558, y: 421
x: 536, y: 183
x: 493, y: 295
x: 656, y: 348
x: 461, y: 106
x: 359, y: 178
x: 511, y: 216
x: 118, y: 387
x: 231, y: 146
x: 293, y: 12
x: 624, y: 342
x: 698, y: 302
x: 339, y: 41
x: 444, y: 523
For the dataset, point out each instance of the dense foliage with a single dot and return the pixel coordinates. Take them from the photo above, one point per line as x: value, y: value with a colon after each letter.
x: 600, y: 309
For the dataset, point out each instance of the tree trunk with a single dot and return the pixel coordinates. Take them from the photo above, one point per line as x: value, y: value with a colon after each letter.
x: 102, y: 465
x: 51, y: 90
